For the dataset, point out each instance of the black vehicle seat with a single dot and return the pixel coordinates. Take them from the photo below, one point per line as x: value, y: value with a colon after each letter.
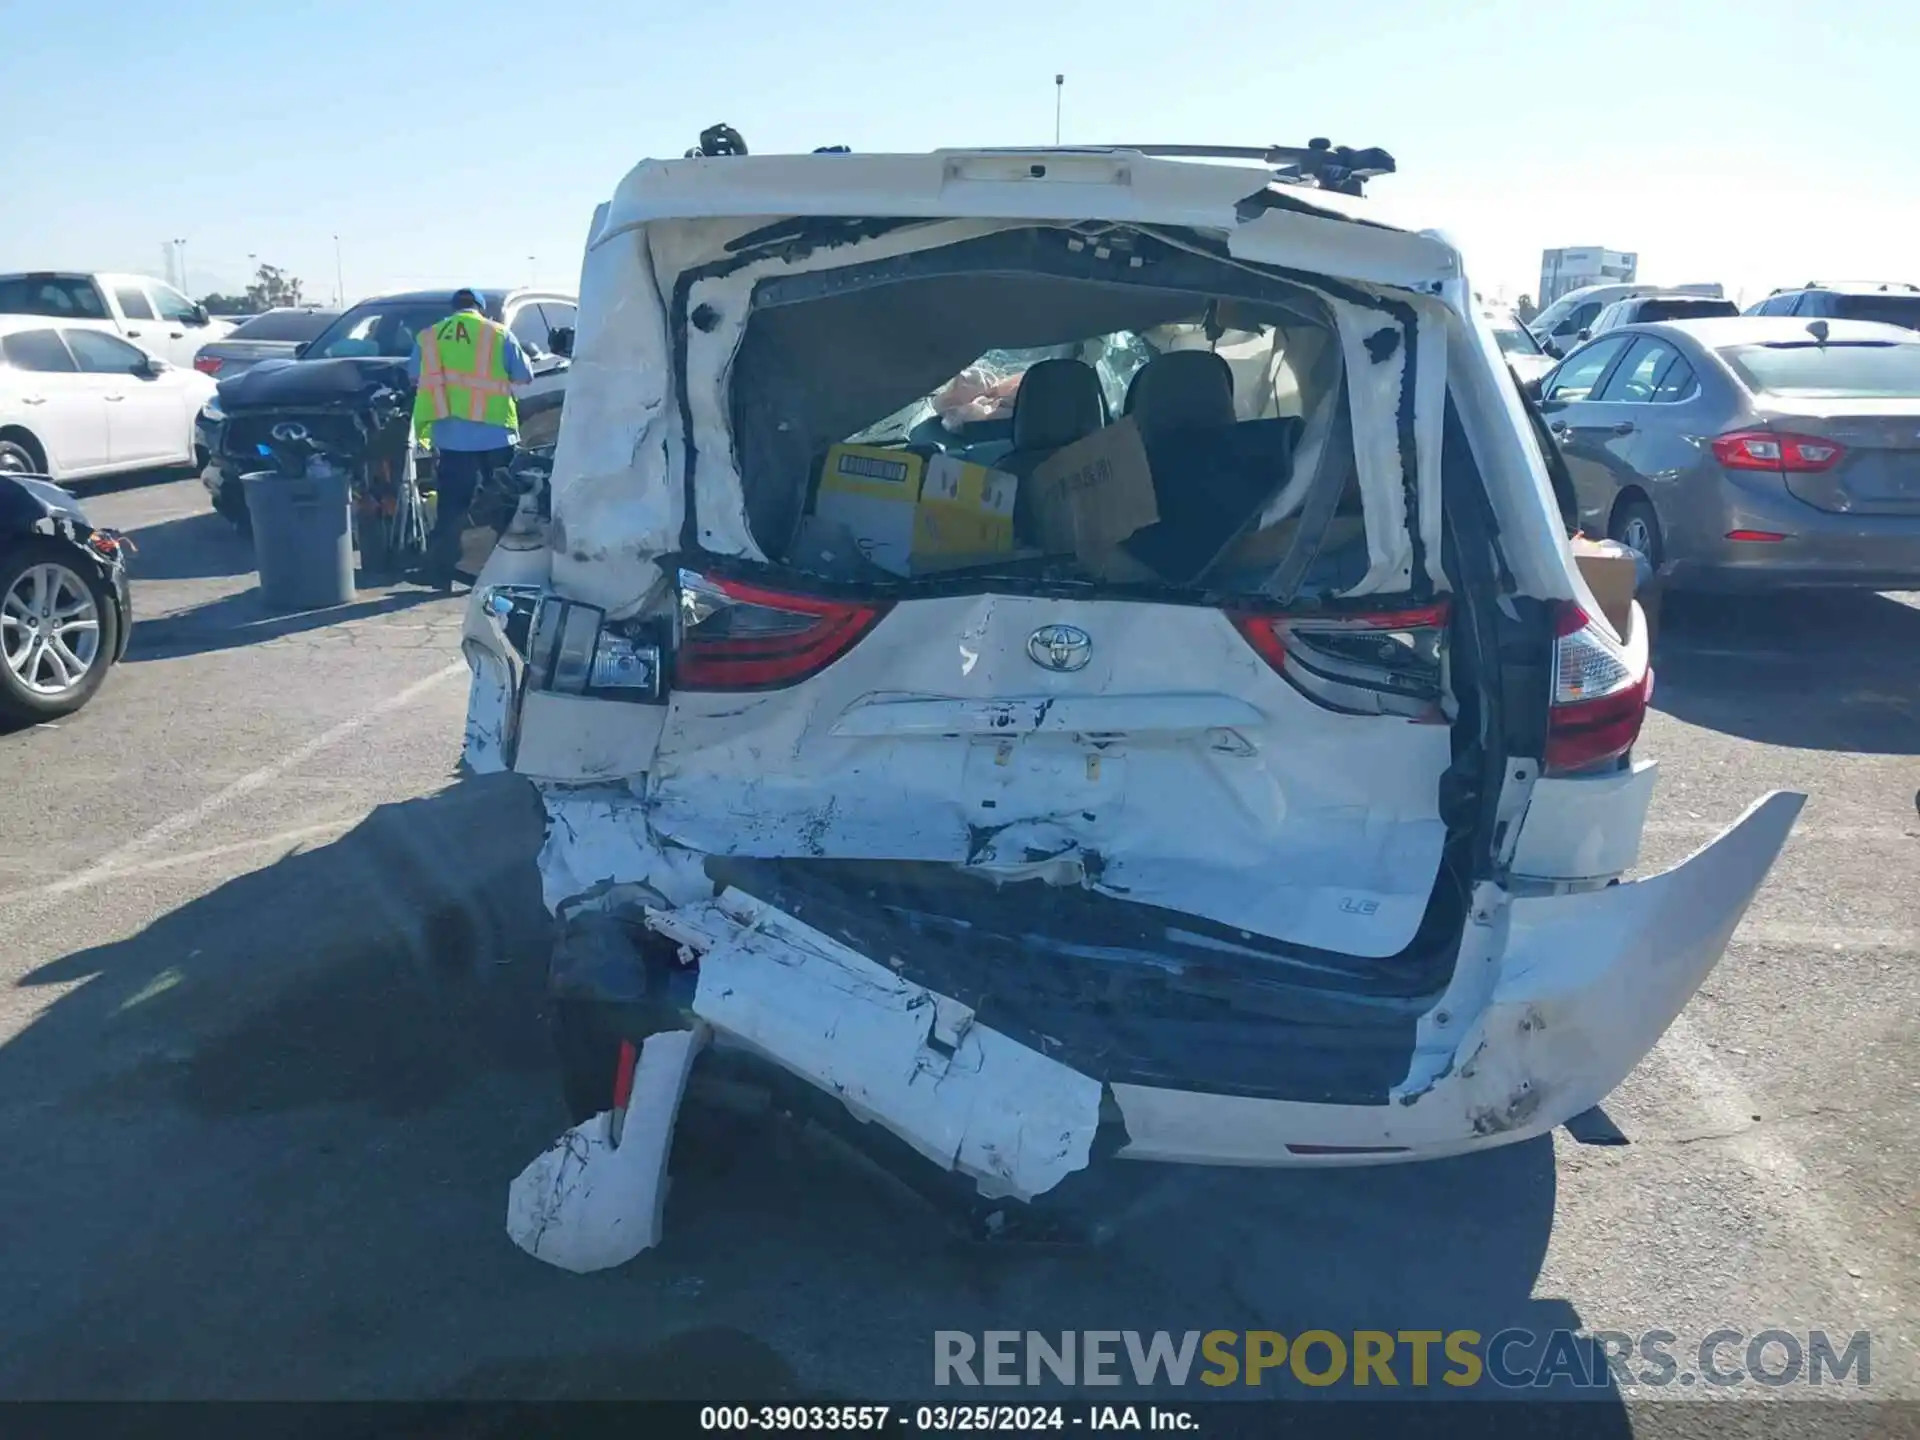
x: 1211, y: 476
x: 1181, y: 390
x: 1058, y: 402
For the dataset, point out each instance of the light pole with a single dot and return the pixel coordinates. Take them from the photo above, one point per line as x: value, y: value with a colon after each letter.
x: 180, y: 261
x: 339, y: 278
x: 1059, y: 94
x: 533, y: 272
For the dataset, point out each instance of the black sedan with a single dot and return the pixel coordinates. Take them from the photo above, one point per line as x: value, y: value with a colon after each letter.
x: 65, y: 609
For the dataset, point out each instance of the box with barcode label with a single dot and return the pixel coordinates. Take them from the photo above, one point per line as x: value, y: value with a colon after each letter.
x: 912, y: 514
x: 874, y: 491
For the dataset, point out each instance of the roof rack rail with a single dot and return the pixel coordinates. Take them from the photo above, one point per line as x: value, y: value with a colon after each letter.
x: 1333, y: 167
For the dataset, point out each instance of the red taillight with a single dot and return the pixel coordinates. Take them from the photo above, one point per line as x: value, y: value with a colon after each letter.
x: 1776, y: 452
x: 207, y: 364
x: 735, y: 636
x: 1383, y: 662
x: 1268, y: 633
x: 1600, y: 695
x: 1264, y: 634
x: 1757, y: 537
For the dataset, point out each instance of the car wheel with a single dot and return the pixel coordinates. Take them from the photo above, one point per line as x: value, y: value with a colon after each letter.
x: 58, y: 631
x: 17, y: 459
x: 1637, y: 527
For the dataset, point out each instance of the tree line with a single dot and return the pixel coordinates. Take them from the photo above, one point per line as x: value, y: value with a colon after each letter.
x: 271, y: 289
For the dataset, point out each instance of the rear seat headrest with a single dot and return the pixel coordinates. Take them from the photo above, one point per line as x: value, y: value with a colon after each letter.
x: 1182, y: 389
x: 1058, y: 402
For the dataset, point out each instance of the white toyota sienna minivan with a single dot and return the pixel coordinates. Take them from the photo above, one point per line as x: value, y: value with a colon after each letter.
x: 1073, y: 653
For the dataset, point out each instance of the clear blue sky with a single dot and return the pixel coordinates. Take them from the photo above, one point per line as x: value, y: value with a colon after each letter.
x: 1758, y: 143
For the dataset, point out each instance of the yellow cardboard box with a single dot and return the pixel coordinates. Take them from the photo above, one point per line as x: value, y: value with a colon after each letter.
x: 965, y: 515
x: 911, y: 514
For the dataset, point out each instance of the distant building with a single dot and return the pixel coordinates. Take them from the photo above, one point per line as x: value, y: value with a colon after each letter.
x: 1564, y: 270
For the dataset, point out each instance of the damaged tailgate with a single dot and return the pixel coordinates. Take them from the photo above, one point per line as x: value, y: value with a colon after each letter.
x: 963, y: 1095
x: 1555, y: 1000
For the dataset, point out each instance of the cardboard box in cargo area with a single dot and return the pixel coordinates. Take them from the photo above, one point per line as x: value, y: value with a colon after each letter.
x: 965, y: 515
x: 1091, y: 496
x: 912, y: 514
x: 1611, y: 572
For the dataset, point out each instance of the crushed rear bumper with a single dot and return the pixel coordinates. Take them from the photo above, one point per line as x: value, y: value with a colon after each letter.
x: 1554, y: 1000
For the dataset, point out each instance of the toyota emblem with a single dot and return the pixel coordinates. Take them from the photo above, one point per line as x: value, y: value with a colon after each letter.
x: 1060, y: 647
x: 290, y: 430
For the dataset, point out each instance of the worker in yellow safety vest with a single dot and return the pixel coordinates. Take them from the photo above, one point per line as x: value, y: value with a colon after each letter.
x: 465, y: 369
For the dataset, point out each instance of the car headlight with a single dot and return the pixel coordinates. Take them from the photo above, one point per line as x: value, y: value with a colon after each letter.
x: 211, y: 410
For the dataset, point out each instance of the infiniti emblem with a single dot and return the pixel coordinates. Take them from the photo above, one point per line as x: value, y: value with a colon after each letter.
x: 1060, y: 647
x: 291, y: 430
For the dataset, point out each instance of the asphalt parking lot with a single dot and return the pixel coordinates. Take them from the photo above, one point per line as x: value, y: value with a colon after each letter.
x: 270, y: 1052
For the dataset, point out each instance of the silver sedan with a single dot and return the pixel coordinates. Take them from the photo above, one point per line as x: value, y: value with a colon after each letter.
x: 271, y: 335
x: 1750, y: 451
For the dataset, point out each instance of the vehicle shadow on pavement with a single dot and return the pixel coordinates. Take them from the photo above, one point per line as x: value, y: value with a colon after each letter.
x: 191, y: 547
x: 243, y: 619
x: 261, y: 1149
x: 1812, y: 670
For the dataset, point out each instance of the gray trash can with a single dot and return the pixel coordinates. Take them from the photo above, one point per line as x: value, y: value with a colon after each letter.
x: 302, y: 539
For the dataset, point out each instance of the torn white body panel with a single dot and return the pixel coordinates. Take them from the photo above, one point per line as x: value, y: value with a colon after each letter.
x: 963, y: 1095
x: 489, y: 713
x: 1582, y: 989
x: 587, y: 1203
x: 583, y: 739
x: 617, y: 503
x: 1532, y: 542
x: 597, y: 842
x: 1585, y: 827
x: 520, y: 559
x: 937, y: 739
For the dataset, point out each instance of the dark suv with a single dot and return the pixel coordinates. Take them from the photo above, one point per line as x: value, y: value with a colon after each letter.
x: 1891, y: 302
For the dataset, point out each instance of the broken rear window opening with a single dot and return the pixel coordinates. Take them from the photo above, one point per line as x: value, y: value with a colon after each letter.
x: 1044, y: 406
x: 1049, y: 563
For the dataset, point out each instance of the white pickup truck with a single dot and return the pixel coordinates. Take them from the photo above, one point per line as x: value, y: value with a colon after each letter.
x: 148, y: 312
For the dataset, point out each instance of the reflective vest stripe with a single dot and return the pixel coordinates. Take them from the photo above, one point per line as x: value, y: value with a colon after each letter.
x: 479, y: 383
x: 433, y: 378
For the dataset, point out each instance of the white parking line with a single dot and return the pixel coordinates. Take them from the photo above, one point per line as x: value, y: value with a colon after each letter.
x: 176, y: 825
x: 94, y: 875
x: 1784, y: 935
x: 1836, y: 834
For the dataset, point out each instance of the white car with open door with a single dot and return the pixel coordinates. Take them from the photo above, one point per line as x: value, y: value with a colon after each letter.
x: 76, y: 402
x: 1074, y: 651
